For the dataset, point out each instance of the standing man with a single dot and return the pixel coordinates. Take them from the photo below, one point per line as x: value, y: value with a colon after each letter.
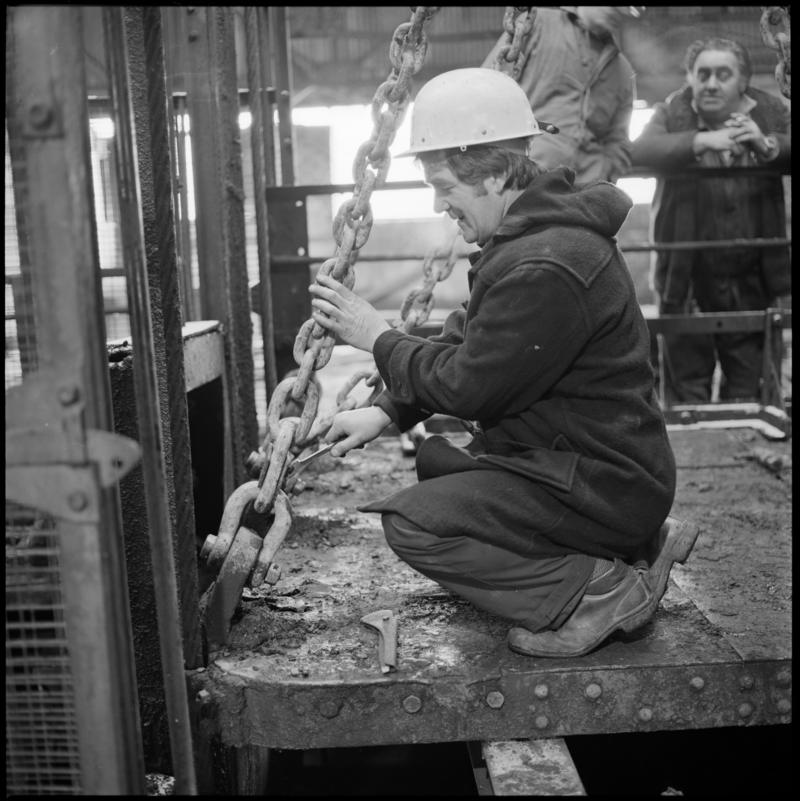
x: 717, y: 120
x: 541, y: 517
x: 576, y: 78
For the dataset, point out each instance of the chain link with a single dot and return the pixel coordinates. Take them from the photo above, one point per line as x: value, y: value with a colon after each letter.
x: 517, y: 26
x: 780, y: 42
x: 313, y: 346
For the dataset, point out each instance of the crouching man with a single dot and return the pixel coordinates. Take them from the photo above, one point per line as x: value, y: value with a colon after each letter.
x: 545, y: 516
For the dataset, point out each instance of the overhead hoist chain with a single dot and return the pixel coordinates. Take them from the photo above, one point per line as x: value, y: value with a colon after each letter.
x: 238, y: 551
x: 517, y: 25
x: 779, y: 40
x: 351, y: 227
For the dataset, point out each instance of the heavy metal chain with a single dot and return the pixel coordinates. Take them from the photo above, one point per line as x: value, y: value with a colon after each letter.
x: 517, y: 25
x: 351, y: 227
x: 780, y: 41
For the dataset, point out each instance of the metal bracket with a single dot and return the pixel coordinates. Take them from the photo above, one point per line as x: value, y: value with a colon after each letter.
x: 52, y: 462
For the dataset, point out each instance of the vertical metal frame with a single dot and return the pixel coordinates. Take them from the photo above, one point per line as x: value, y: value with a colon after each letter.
x: 279, y: 30
x: 157, y: 477
x: 145, y: 62
x: 206, y: 36
x: 47, y: 117
x: 262, y: 141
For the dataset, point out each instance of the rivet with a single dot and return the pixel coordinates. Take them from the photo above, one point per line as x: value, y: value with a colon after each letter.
x: 40, y: 114
x: 495, y: 699
x: 541, y: 691
x: 330, y: 709
x: 747, y: 682
x: 784, y: 678
x: 67, y: 394
x: 784, y: 706
x: 77, y: 501
x: 745, y: 710
x: 203, y: 697
x: 541, y: 722
x: 697, y: 683
x: 645, y: 714
x: 412, y: 704
x: 593, y: 691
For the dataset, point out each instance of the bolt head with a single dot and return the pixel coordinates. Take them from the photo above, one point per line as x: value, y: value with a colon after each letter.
x: 40, y: 114
x: 541, y: 722
x: 697, y: 683
x: 68, y: 394
x: 330, y: 709
x: 412, y: 704
x: 784, y: 678
x: 593, y: 691
x: 77, y: 501
x: 203, y: 697
x: 495, y: 699
x: 747, y: 682
x: 745, y: 710
x: 784, y: 706
x: 541, y: 691
x: 645, y: 714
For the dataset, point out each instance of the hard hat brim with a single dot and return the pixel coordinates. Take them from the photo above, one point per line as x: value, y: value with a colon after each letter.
x: 415, y: 151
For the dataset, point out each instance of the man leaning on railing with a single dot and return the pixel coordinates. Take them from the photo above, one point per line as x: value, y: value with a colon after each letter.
x: 717, y: 120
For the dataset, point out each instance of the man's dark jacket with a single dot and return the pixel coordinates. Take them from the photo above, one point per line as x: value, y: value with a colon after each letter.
x: 551, y: 358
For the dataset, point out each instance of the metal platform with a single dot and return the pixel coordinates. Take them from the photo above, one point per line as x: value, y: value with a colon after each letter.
x: 300, y: 671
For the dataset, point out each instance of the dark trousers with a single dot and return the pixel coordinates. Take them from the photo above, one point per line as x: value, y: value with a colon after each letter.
x: 536, y: 593
x: 689, y: 361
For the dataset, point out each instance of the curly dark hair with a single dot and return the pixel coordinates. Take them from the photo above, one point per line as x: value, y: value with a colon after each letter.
x: 478, y: 162
x: 718, y: 43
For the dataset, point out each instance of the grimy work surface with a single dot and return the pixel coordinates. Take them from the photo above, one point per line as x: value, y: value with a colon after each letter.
x: 301, y: 671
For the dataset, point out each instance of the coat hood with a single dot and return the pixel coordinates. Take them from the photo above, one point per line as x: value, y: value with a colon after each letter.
x: 553, y: 199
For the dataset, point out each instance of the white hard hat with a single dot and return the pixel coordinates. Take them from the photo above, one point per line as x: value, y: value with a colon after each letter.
x: 470, y: 106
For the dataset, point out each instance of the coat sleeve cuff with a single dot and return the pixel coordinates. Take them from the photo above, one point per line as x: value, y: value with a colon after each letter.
x: 402, y: 415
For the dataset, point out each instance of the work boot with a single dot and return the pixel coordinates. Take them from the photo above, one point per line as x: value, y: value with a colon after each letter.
x: 621, y: 598
x: 674, y: 543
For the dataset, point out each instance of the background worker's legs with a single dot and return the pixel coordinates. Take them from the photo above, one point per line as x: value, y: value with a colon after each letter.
x: 689, y: 361
x: 741, y: 360
x: 535, y: 593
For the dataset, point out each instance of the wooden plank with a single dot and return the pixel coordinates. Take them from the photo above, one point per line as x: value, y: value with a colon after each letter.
x: 532, y: 767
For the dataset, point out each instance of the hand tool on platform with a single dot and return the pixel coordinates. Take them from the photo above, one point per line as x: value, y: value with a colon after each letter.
x: 385, y: 622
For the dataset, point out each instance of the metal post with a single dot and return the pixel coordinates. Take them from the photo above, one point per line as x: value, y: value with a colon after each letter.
x: 47, y: 116
x: 262, y: 145
x: 213, y: 103
x: 149, y: 101
x: 148, y: 409
x: 279, y: 30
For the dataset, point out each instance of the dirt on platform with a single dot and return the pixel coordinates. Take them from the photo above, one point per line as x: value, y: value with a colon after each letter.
x: 337, y: 567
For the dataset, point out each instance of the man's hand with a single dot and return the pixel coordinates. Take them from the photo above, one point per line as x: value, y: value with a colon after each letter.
x: 718, y: 141
x: 356, y: 427
x: 745, y: 131
x: 342, y: 312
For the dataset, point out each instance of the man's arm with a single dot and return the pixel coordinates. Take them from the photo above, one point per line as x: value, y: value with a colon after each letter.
x: 659, y: 148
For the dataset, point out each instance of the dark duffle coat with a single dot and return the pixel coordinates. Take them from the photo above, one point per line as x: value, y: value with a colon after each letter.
x: 551, y: 359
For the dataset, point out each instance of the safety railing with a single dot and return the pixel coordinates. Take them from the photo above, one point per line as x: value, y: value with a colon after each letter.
x: 771, y: 412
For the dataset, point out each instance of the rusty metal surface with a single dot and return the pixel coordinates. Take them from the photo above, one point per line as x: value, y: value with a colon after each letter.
x: 532, y: 768
x: 300, y: 671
